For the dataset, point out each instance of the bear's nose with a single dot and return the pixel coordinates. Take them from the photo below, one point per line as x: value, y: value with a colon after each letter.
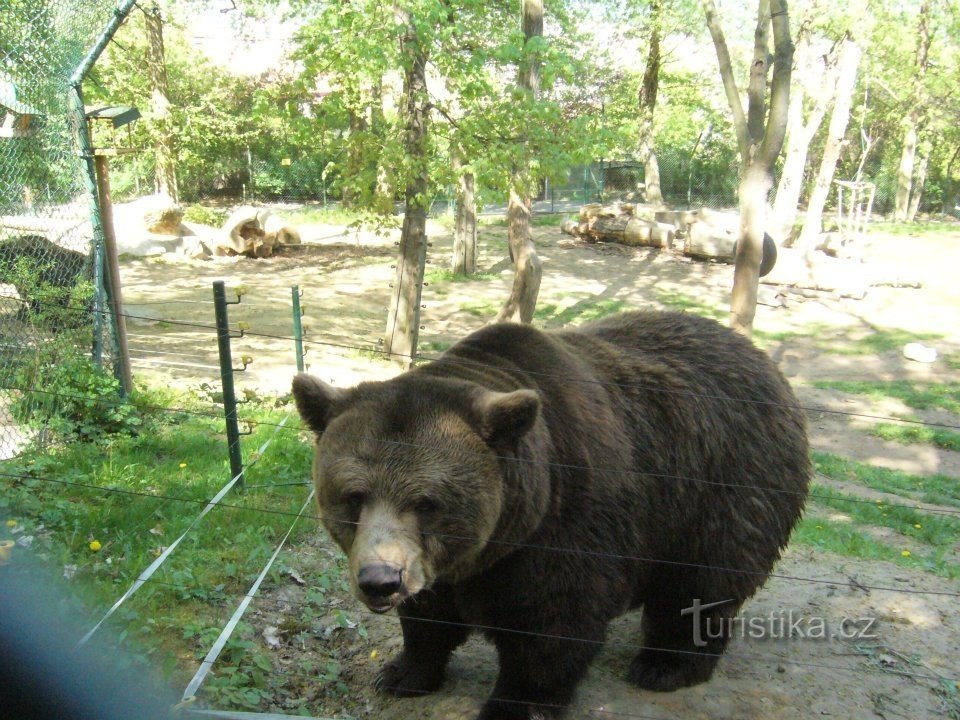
x: 380, y: 581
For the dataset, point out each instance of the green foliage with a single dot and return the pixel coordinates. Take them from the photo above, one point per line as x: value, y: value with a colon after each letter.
x: 204, y: 215
x: 79, y: 400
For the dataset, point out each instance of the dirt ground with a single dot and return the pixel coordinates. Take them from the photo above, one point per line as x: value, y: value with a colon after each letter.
x: 345, y: 281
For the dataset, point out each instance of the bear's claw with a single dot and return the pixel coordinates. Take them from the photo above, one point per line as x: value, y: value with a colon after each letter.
x: 402, y: 678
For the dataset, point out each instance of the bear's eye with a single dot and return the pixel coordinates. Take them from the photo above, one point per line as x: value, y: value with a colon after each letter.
x: 353, y: 501
x: 425, y: 505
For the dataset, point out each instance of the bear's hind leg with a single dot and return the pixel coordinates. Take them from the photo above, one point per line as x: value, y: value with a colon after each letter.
x: 682, y: 643
x: 432, y: 630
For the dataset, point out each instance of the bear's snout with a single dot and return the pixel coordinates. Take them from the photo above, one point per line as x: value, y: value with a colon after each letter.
x: 379, y: 582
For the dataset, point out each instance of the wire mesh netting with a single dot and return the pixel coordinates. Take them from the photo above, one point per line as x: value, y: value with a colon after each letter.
x: 48, y: 289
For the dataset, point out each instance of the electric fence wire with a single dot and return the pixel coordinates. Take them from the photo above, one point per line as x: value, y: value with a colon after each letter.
x: 155, y: 565
x: 602, y: 383
x: 917, y: 505
x: 598, y: 554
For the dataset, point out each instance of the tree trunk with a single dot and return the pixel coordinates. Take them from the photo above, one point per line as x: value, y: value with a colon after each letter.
x: 465, y: 227
x: 529, y: 270
x: 800, y: 134
x: 916, y: 191
x: 754, y: 187
x: 162, y: 119
x: 911, y: 120
x: 527, y: 266
x: 647, y: 102
x: 847, y: 68
x: 760, y: 135
x: 403, y: 320
x: 354, y: 166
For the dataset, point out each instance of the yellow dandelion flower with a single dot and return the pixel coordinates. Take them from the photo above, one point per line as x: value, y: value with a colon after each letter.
x: 11, y: 523
x: 373, y: 654
x: 182, y: 465
x: 906, y: 553
x: 95, y: 545
x: 819, y: 527
x: 917, y: 526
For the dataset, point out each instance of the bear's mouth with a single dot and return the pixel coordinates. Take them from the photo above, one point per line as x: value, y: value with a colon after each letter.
x: 383, y: 605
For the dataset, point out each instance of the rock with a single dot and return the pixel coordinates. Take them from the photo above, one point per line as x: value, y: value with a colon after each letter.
x: 918, y: 352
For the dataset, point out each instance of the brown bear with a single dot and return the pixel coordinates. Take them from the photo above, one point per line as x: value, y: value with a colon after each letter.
x: 535, y: 485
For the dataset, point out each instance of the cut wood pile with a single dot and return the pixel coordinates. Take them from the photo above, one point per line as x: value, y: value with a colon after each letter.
x: 706, y: 234
x: 712, y: 235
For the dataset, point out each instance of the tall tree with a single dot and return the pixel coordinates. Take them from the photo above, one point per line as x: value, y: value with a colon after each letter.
x: 403, y: 319
x: 815, y: 78
x: 647, y: 101
x: 528, y: 269
x: 911, y: 120
x: 760, y: 136
x: 848, y: 61
x: 164, y: 138
x: 465, y: 217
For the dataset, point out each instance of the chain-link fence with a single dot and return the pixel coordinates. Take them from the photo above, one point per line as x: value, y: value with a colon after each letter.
x: 49, y: 290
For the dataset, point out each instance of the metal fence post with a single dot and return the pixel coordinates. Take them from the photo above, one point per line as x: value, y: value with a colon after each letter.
x: 297, y: 326
x: 226, y: 378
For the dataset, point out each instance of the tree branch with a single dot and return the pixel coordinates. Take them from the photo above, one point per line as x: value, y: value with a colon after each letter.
x: 726, y: 74
x: 780, y: 86
x: 757, y: 88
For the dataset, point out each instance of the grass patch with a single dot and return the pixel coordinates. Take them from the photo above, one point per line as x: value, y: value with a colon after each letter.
x: 100, y: 512
x: 935, y: 489
x: 930, y: 529
x: 918, y: 435
x: 845, y: 538
x: 320, y: 215
x: 551, y: 315
x: 435, y: 347
x: 445, y: 275
x: 918, y: 395
x: 685, y: 303
x: 480, y: 309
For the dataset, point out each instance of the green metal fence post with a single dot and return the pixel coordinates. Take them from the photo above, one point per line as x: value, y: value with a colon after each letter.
x: 226, y: 378
x: 297, y: 326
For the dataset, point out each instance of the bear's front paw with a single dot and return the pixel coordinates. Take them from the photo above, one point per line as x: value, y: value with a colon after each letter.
x: 404, y: 678
x: 657, y: 672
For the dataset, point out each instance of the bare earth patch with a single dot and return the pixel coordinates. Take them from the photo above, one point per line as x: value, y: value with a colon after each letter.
x: 346, y: 288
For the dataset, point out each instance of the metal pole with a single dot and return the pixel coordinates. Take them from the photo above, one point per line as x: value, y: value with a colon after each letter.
x: 297, y: 327
x: 226, y: 379
x: 122, y: 360
x: 90, y: 183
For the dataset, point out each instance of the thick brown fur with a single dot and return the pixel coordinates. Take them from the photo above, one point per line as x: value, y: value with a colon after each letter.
x: 538, y: 485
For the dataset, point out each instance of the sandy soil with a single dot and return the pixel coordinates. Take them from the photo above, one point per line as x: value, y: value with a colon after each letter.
x: 345, y: 281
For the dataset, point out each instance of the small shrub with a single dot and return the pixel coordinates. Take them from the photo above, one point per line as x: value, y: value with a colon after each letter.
x: 203, y: 215
x: 73, y: 397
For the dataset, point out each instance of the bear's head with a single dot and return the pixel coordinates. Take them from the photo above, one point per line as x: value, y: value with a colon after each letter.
x: 417, y: 475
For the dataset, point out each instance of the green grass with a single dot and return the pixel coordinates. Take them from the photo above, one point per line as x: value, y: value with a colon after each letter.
x: 319, y: 215
x: 551, y: 315
x: 845, y: 538
x: 434, y: 347
x: 918, y: 435
x: 686, y: 303
x: 915, y: 229
x: 935, y: 530
x: 445, y: 275
x: 102, y: 512
x: 935, y: 489
x: 918, y: 395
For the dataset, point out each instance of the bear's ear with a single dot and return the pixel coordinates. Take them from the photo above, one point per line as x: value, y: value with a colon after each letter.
x: 315, y: 400
x: 506, y: 417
